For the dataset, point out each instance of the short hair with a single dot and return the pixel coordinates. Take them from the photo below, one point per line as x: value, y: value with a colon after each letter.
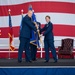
x: 48, y: 16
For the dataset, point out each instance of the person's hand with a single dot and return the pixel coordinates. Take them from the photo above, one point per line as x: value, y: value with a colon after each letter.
x: 36, y: 26
x: 41, y: 35
x: 38, y: 30
x: 35, y: 23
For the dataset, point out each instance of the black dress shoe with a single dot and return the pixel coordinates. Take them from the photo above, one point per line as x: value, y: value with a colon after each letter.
x: 46, y: 61
x: 34, y: 60
x: 29, y: 61
x: 19, y: 61
x: 55, y: 61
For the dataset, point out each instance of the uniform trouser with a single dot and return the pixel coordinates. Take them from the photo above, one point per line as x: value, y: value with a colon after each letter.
x: 33, y: 49
x: 49, y: 44
x: 24, y: 45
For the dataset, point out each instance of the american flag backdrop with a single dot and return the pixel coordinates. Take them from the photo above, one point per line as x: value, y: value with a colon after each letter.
x: 62, y: 14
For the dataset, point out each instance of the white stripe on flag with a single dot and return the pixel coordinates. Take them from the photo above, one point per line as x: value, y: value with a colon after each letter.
x: 4, y: 42
x: 56, y: 18
x: 13, y: 2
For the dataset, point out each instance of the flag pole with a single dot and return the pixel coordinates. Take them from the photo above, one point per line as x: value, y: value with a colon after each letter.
x: 22, y: 18
x: 41, y: 43
x: 9, y: 38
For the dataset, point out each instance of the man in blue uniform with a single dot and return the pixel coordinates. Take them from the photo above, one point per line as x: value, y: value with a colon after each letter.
x: 25, y: 35
x: 49, y: 40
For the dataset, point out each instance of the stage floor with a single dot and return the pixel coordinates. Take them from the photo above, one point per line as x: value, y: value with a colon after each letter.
x: 39, y: 62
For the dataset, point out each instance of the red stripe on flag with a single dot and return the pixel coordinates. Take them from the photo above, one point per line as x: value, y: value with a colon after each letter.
x: 59, y: 30
x: 45, y: 6
x: 15, y: 55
